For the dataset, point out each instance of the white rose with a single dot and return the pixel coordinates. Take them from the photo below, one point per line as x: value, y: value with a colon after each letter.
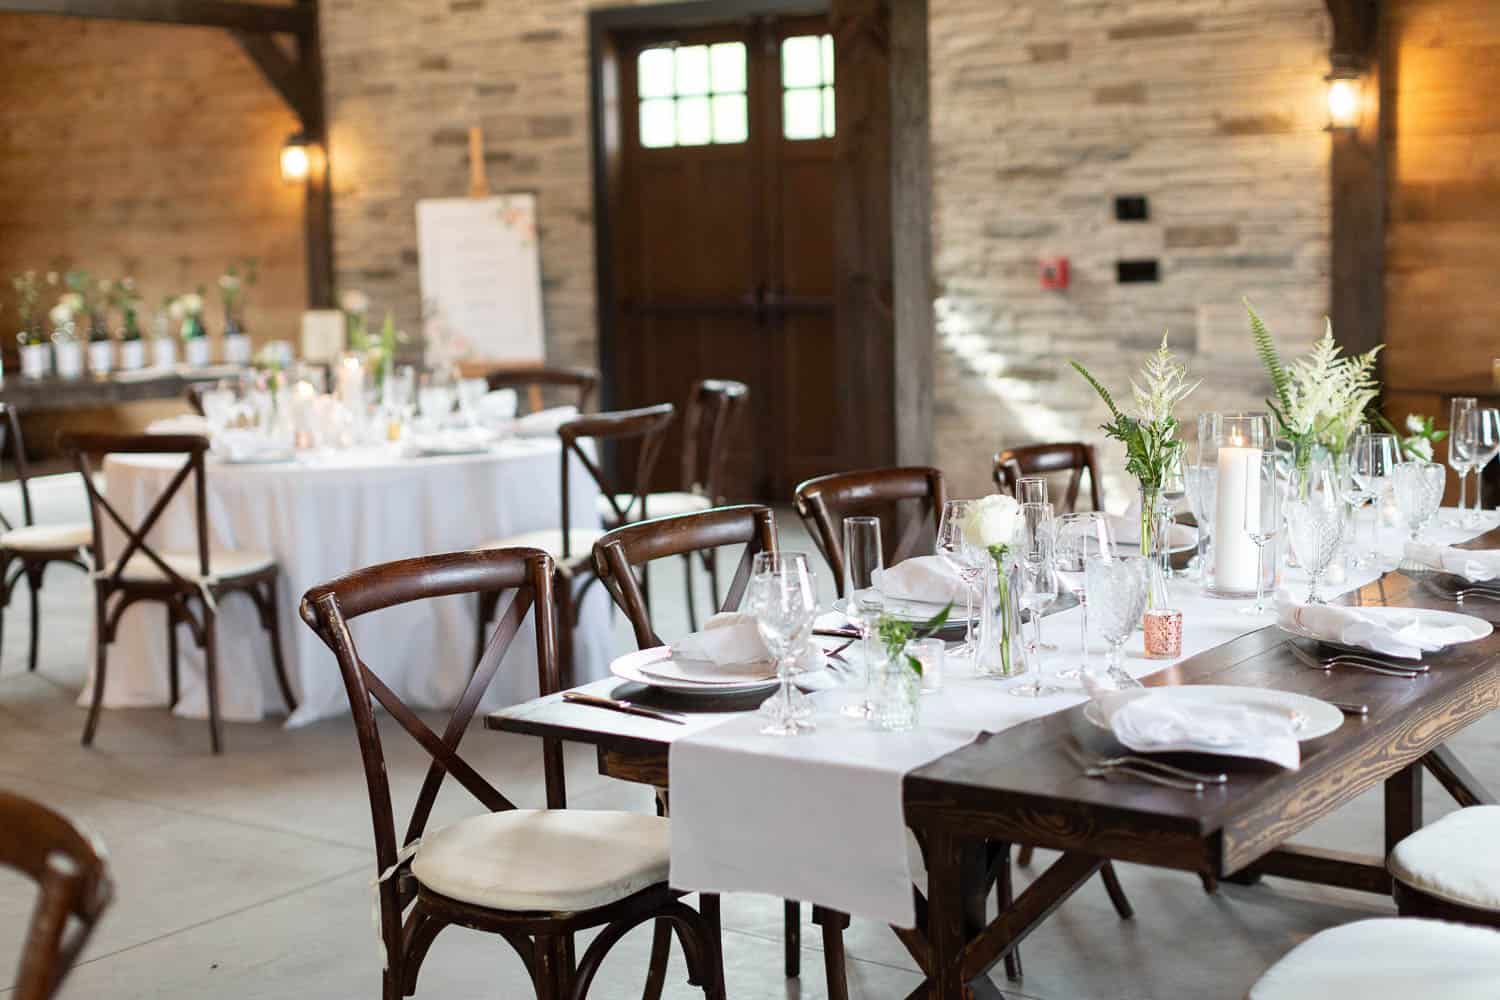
x: 61, y: 314
x: 1420, y: 447
x: 192, y: 303
x: 175, y: 309
x: 355, y: 301
x: 992, y: 520
x: 1415, y: 424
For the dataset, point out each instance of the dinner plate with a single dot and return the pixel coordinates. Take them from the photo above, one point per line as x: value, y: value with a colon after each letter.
x: 1312, y: 717
x: 1478, y: 627
x: 642, y: 667
x: 268, y: 457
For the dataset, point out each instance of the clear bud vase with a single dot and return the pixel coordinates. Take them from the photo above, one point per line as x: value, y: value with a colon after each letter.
x: 898, y: 689
x: 1001, y: 649
x: 1156, y: 533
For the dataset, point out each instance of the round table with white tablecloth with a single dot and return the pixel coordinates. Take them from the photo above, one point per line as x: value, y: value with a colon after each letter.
x: 321, y: 517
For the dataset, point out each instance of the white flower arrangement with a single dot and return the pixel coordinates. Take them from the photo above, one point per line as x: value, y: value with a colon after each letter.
x: 354, y: 302
x: 191, y: 304
x: 1150, y: 435
x: 61, y: 314
x: 993, y: 523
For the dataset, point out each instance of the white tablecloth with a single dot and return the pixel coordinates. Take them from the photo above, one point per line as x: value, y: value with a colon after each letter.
x: 819, y: 817
x: 324, y: 518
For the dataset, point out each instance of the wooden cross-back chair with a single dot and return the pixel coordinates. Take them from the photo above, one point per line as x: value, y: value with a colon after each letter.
x: 580, y: 381
x: 194, y: 392
x: 714, y: 407
x: 533, y: 877
x: 572, y: 548
x: 73, y: 890
x: 1073, y: 457
x: 824, y: 502
x: 28, y: 548
x: 189, y: 583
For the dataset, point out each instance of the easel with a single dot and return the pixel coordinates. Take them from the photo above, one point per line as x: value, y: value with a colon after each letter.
x: 479, y: 187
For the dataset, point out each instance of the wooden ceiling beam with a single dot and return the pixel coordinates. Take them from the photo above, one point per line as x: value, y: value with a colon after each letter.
x: 288, y: 77
x: 300, y: 19
x: 1356, y: 31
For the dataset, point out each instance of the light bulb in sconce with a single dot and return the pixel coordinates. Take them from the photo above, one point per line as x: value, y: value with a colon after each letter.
x: 296, y: 159
x: 1344, y: 101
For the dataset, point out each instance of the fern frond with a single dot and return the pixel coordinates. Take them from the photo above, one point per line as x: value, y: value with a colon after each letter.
x: 1103, y: 392
x: 1265, y: 348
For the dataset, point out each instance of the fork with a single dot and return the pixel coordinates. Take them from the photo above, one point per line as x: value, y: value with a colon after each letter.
x: 1169, y: 770
x: 1357, y: 663
x: 1097, y: 770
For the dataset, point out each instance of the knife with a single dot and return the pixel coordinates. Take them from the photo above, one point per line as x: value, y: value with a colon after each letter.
x: 619, y: 705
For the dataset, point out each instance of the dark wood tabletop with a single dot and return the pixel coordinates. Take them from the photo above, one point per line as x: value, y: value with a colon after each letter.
x: 1022, y: 786
x: 89, y: 390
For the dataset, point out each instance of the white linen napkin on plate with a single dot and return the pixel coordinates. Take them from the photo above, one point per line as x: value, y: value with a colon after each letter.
x: 546, y: 421
x: 1401, y: 635
x: 920, y: 578
x: 1476, y: 566
x: 732, y: 639
x: 1152, y: 721
x: 1127, y: 529
x: 498, y: 405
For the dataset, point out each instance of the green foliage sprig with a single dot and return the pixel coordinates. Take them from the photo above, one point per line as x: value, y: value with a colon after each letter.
x: 895, y: 633
x: 1149, y: 435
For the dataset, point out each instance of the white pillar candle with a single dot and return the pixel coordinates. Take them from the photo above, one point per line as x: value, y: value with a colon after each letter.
x: 1236, y: 559
x: 351, y: 382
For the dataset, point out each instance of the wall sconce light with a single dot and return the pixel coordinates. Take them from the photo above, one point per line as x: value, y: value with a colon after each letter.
x: 296, y: 158
x: 1345, y: 99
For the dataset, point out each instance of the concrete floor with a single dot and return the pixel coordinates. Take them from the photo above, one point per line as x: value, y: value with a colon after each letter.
x: 248, y: 875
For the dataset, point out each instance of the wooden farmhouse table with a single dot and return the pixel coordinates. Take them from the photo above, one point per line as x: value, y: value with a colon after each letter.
x: 1022, y: 786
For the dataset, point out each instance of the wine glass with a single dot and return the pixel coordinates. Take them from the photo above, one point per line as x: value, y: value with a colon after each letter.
x: 1482, y: 441
x: 964, y: 559
x: 784, y: 603
x: 1460, y: 459
x: 1262, y: 521
x: 1316, y: 527
x: 1374, y: 464
x: 1031, y: 489
x: 1038, y: 589
x: 1117, y: 591
x: 1173, y: 491
x: 1356, y: 460
x: 1419, y: 493
x: 1080, y: 537
x: 862, y: 558
x: 1203, y: 499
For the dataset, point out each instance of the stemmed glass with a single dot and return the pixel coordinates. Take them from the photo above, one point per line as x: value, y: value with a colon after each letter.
x: 1079, y: 538
x: 1375, y: 462
x: 1038, y: 589
x: 862, y: 558
x: 1481, y: 439
x: 1316, y: 527
x: 1354, y: 493
x: 1031, y: 489
x: 1460, y: 459
x: 1419, y: 493
x: 1262, y: 522
x: 784, y: 603
x: 1203, y: 498
x: 964, y: 559
x: 1117, y: 590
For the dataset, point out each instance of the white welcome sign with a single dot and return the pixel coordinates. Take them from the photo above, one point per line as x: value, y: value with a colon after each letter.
x: 480, y: 267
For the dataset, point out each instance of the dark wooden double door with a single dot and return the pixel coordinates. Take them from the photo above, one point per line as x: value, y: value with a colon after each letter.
x: 723, y: 242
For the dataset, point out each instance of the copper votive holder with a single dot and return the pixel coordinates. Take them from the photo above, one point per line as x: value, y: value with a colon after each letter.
x: 1163, y: 628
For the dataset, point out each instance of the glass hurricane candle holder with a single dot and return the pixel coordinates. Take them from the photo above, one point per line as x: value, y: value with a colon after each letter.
x: 1237, y: 443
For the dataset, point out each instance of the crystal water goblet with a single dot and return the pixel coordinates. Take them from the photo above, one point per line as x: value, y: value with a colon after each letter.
x: 783, y: 601
x: 1117, y: 593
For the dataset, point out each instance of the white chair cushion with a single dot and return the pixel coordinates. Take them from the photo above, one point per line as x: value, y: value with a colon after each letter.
x: 1391, y: 958
x: 657, y: 505
x: 550, y: 540
x: 225, y: 565
x: 557, y: 860
x: 44, y: 537
x: 1454, y: 859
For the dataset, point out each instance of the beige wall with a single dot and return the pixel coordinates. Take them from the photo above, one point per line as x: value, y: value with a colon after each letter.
x: 146, y: 150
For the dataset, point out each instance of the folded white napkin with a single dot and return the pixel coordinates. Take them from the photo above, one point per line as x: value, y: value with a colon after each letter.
x: 1477, y: 566
x: 545, y: 421
x: 1154, y: 721
x: 187, y: 423
x: 498, y: 405
x: 1127, y: 529
x: 921, y: 578
x: 1406, y: 636
x: 731, y: 638
x: 246, y: 445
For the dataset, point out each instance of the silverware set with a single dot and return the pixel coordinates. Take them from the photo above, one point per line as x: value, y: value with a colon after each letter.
x: 1153, y: 772
x: 1449, y: 586
x: 1356, y: 661
x: 624, y: 707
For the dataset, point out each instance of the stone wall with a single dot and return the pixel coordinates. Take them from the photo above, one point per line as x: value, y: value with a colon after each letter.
x: 1043, y: 112
x: 147, y: 150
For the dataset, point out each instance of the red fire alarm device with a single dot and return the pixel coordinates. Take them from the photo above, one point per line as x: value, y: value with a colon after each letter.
x: 1055, y: 273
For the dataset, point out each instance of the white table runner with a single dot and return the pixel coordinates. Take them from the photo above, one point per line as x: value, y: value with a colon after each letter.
x: 819, y: 817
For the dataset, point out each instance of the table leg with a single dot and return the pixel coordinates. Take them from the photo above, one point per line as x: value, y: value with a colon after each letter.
x: 1403, y: 804
x: 950, y: 864
x: 1460, y: 782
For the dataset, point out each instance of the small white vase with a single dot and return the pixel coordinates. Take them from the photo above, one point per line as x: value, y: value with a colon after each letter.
x: 237, y: 349
x: 132, y: 355
x: 69, y: 358
x: 195, y: 351
x: 163, y: 352
x: 35, y: 360
x: 101, y: 356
